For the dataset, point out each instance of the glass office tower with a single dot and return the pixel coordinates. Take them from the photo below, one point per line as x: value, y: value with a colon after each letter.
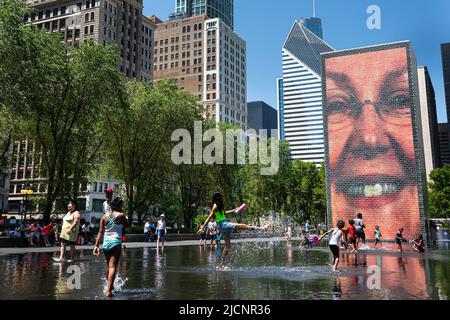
x: 314, y: 25
x: 222, y: 9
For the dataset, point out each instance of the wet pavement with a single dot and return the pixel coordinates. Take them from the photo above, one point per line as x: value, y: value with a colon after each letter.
x: 261, y: 269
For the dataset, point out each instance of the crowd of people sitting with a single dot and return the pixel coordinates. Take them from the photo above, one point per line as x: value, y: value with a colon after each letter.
x: 39, y: 234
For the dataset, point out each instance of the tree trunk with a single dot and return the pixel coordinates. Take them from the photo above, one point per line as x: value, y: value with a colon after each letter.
x: 48, y: 209
x: 49, y: 199
x: 130, y: 211
x: 139, y: 218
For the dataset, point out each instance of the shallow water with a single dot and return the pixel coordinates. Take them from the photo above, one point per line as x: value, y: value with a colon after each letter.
x: 258, y: 270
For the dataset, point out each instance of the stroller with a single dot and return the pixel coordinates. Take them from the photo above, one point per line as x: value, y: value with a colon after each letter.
x: 308, y: 242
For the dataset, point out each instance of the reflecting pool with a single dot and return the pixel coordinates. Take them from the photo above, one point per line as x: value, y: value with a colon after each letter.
x: 263, y: 270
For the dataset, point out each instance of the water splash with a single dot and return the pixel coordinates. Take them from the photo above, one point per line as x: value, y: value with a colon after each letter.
x: 119, y: 284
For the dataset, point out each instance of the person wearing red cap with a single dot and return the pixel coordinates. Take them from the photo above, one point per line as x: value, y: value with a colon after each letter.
x: 107, y: 204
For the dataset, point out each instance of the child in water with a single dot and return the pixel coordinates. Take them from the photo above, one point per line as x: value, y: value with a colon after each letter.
x: 111, y: 225
x: 377, y: 235
x: 352, y: 237
x: 226, y: 227
x: 203, y: 236
x: 418, y: 244
x: 335, y: 238
x: 344, y: 239
x: 218, y: 237
x: 399, y: 239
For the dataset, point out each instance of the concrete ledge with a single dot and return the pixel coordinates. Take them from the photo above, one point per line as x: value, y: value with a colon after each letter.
x: 6, y: 242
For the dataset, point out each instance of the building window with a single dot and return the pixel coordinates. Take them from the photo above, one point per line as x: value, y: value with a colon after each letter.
x: 97, y: 205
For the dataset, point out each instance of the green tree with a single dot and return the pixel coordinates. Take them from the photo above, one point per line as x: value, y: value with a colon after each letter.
x: 138, y: 146
x: 296, y: 191
x: 58, y: 93
x: 266, y: 193
x: 11, y: 102
x: 439, y: 192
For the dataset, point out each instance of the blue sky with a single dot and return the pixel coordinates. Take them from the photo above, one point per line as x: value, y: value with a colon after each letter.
x: 264, y: 24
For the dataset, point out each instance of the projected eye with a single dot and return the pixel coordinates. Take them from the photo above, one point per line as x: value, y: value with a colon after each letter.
x: 336, y: 106
x: 400, y: 101
x: 398, y: 104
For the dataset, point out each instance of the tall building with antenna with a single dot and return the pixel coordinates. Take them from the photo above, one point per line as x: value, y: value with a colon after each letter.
x: 313, y: 24
x: 300, y: 90
x: 223, y: 9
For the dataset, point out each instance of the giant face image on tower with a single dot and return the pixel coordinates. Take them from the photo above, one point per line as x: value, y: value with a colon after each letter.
x: 371, y: 159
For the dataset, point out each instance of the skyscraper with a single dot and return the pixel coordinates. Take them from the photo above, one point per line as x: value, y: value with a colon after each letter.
x: 302, y: 93
x: 444, y: 143
x: 430, y: 130
x: 445, y: 138
x: 103, y: 21
x: 445, y: 50
x: 222, y: 9
x: 262, y: 116
x: 314, y: 25
x: 208, y: 59
x: 280, y: 109
x: 106, y: 22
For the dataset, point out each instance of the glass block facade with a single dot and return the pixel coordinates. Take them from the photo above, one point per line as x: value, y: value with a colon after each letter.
x: 373, y: 138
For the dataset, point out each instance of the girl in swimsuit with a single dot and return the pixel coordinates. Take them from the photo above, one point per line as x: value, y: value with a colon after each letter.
x: 111, y: 225
x: 226, y: 227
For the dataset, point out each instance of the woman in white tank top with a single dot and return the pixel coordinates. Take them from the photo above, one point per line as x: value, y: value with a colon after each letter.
x: 335, y: 238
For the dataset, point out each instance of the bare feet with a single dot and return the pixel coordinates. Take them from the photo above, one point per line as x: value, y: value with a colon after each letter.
x: 109, y: 295
x: 266, y: 228
x: 222, y: 268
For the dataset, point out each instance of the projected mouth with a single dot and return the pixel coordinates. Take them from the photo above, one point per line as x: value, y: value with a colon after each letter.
x: 363, y: 187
